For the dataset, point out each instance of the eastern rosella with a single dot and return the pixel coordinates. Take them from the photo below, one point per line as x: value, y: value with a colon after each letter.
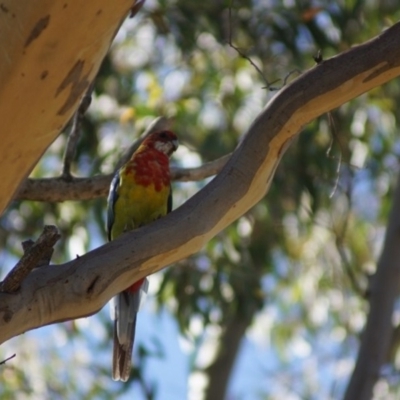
x: 140, y: 193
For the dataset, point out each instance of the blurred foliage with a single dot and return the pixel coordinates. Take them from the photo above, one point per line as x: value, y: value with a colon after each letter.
x: 296, y: 265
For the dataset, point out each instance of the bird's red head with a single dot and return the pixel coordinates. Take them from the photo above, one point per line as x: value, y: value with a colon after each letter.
x: 164, y: 141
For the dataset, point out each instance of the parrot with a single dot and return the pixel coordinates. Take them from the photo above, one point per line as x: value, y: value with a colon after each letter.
x: 140, y: 193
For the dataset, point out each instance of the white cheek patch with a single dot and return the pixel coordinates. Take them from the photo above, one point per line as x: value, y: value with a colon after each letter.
x: 163, y: 147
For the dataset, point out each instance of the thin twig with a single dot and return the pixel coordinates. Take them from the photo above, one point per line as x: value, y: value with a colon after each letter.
x: 348, y: 268
x: 32, y: 258
x: 268, y: 85
x: 336, y: 184
x: 318, y: 58
x: 7, y: 359
x: 340, y: 158
x: 75, y: 132
x: 285, y: 79
x: 138, y: 4
x: 328, y: 153
x: 244, y: 55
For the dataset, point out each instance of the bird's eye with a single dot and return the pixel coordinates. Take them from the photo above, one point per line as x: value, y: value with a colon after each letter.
x: 163, y: 135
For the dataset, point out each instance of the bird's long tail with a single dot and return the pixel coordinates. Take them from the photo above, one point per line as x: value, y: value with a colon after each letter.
x: 125, y: 308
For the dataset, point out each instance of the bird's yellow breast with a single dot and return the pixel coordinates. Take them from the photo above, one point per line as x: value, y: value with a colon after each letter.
x: 137, y: 205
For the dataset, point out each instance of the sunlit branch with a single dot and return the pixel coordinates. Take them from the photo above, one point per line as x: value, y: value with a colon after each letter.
x: 36, y: 105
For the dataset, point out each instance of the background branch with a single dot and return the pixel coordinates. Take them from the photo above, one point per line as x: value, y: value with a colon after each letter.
x: 75, y: 132
x: 7, y: 359
x: 78, y: 189
x: 377, y: 335
x: 220, y: 370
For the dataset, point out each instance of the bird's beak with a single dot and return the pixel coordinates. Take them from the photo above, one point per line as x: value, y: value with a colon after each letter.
x: 175, y: 144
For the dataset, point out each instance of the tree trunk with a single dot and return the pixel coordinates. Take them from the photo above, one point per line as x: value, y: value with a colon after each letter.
x: 229, y: 345
x: 379, y: 328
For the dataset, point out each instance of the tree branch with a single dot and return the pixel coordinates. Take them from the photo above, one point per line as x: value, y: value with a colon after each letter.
x: 82, y: 286
x: 67, y: 187
x: 78, y: 189
x: 35, y: 255
x: 377, y: 335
